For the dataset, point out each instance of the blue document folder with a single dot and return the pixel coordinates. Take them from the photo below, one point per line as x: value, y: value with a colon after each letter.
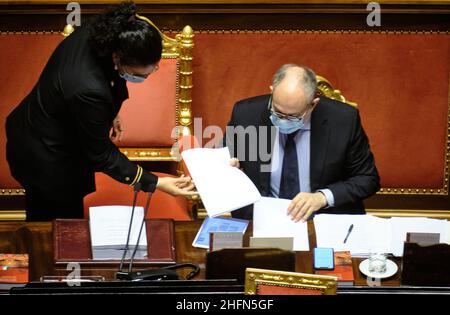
x: 218, y: 225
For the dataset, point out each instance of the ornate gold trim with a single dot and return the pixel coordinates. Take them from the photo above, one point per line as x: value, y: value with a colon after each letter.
x: 150, y: 154
x: 335, y: 31
x: 68, y: 29
x: 12, y: 192
x: 31, y: 32
x: 416, y: 191
x: 12, y: 215
x: 325, y: 88
x: 254, y: 276
x: 181, y: 48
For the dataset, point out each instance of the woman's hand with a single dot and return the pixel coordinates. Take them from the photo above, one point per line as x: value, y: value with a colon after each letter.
x: 177, y: 186
x: 117, y: 132
x: 235, y: 163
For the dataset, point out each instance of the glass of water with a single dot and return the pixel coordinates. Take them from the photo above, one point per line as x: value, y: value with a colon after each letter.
x: 377, y: 263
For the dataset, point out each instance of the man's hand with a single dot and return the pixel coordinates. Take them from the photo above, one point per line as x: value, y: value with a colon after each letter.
x: 177, y: 186
x: 305, y: 204
x: 117, y: 132
x: 235, y: 163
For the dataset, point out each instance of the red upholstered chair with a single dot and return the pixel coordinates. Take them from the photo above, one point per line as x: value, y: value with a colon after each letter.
x: 274, y: 282
x: 113, y: 193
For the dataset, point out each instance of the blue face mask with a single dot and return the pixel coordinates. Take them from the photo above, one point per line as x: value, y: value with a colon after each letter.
x: 132, y: 78
x: 286, y: 126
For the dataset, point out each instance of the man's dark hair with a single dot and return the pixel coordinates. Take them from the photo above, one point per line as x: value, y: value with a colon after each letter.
x: 119, y: 30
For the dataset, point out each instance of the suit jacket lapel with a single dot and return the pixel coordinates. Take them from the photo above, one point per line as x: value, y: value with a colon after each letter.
x: 264, y: 176
x: 319, y: 144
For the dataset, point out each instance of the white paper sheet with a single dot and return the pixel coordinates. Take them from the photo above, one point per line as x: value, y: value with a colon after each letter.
x: 270, y: 219
x: 109, y: 226
x: 369, y: 233
x: 223, y: 188
x: 372, y: 234
x: 447, y: 239
x: 401, y: 226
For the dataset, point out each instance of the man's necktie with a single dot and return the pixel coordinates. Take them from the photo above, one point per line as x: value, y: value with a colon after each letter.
x: 290, y: 183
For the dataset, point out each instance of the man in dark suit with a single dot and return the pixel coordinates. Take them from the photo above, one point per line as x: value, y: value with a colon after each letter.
x: 297, y: 146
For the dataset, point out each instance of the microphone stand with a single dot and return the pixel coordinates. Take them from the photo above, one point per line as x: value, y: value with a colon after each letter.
x: 155, y: 274
x: 137, y: 187
x: 164, y: 273
x: 140, y: 231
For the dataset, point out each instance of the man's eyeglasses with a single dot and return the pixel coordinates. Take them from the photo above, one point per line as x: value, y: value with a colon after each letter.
x: 285, y: 116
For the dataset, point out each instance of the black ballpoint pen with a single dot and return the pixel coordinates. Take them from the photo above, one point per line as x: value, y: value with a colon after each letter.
x: 348, y: 233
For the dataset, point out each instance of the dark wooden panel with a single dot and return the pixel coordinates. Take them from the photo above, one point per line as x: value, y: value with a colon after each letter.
x: 242, y: 16
x: 36, y: 240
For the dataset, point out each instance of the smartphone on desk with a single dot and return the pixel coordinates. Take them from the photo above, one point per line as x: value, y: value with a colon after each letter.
x: 323, y: 258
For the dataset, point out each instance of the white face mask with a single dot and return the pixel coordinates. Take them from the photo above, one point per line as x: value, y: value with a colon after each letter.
x: 130, y: 77
x: 287, y: 126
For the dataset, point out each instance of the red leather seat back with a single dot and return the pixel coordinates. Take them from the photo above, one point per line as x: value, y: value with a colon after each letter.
x: 23, y: 56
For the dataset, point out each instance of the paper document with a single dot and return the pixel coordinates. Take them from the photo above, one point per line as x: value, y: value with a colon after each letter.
x: 368, y: 234
x: 270, y: 219
x: 401, y: 226
x: 447, y: 240
x: 371, y: 234
x: 223, y: 188
x: 109, y: 229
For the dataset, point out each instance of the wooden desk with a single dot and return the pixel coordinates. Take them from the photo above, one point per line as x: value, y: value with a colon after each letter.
x: 36, y: 240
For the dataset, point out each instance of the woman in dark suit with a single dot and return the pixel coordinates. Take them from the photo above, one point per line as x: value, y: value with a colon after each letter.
x: 59, y: 135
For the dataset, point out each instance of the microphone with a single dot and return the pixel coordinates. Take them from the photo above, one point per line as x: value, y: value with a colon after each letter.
x: 137, y: 187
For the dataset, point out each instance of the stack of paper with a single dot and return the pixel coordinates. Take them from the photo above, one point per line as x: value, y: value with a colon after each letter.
x: 223, y: 188
x: 109, y: 229
x: 372, y: 234
x: 270, y: 219
x: 368, y: 233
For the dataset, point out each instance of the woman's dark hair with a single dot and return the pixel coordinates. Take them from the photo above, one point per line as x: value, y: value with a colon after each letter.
x: 119, y: 30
